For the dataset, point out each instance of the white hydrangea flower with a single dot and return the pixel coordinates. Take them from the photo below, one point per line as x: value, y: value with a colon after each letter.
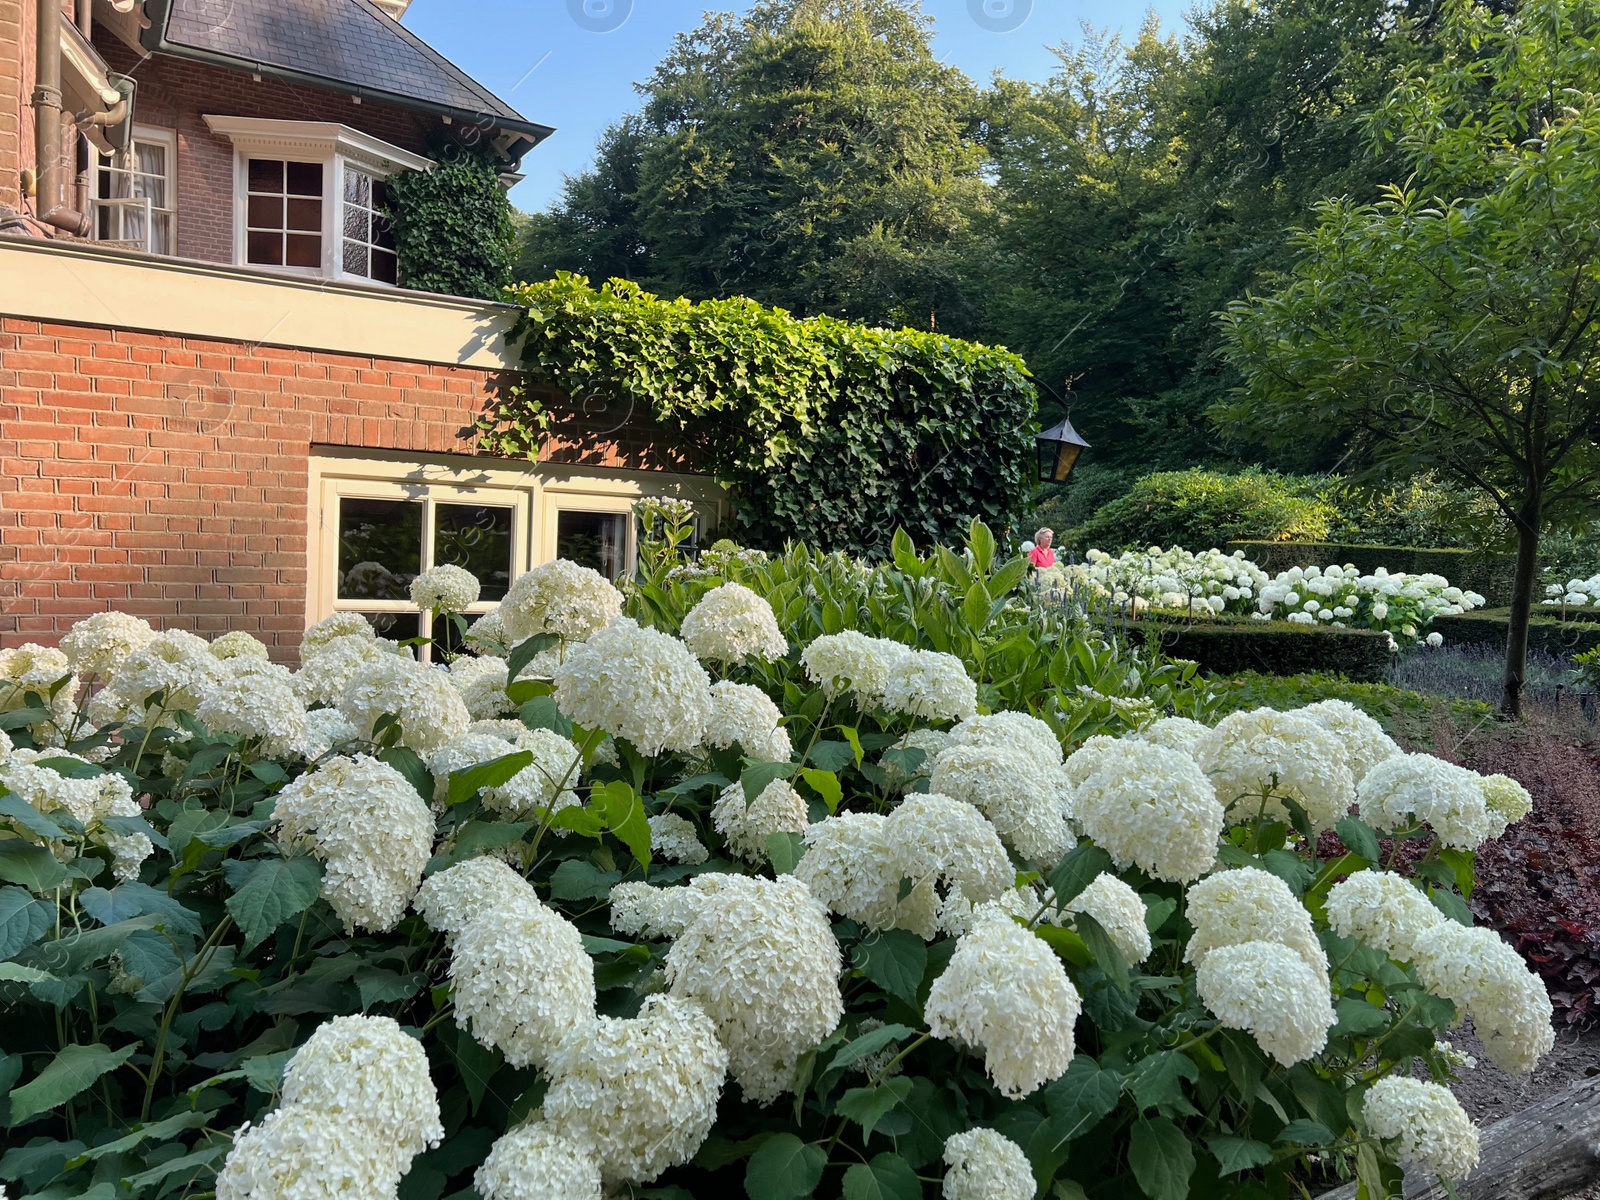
x: 676, y: 840
x: 5, y: 745
x: 1267, y: 990
x: 36, y: 669
x: 1419, y: 787
x: 747, y: 824
x: 462, y: 753
x: 482, y: 684
x: 325, y: 673
x: 358, y: 1106
x: 730, y: 624
x: 544, y: 785
x: 1119, y: 911
x: 985, y: 1165
x: 1095, y: 755
x: 1006, y: 994
x: 1025, y: 796
x: 1430, y: 1130
x: 175, y: 663
x: 1363, y: 739
x: 1175, y: 733
x: 507, y: 729
x: 846, y: 868
x: 1249, y: 752
x: 487, y: 635
x: 532, y: 1162
x: 89, y: 801
x: 1508, y: 802
x: 1150, y: 807
x: 340, y: 624
x: 1248, y: 904
x: 853, y: 662
x: 1509, y: 1005
x: 523, y: 981
x: 637, y: 684
x: 239, y: 644
x: 430, y: 711
x: 639, y: 1094
x: 255, y: 704
x: 643, y: 909
x: 445, y: 589
x: 947, y: 847
x: 562, y: 598
x: 1007, y: 728
x: 460, y: 896
x: 931, y: 686
x: 760, y: 958
x: 745, y: 715
x: 1384, y: 910
x: 98, y: 645
x: 370, y: 829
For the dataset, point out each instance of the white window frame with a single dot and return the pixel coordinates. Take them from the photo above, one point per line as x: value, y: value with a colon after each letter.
x: 333, y: 145
x: 168, y: 138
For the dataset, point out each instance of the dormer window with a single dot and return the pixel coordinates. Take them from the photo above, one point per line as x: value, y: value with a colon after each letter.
x: 310, y: 197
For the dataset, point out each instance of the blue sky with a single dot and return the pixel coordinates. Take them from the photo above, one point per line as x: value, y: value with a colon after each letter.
x: 558, y: 62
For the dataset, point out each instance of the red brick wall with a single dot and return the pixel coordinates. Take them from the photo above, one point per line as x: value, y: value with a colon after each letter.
x: 176, y: 94
x: 167, y: 476
x: 13, y: 99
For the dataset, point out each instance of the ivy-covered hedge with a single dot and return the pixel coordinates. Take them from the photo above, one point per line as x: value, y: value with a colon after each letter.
x: 452, y: 225
x: 824, y: 431
x: 1273, y: 648
x: 1490, y: 575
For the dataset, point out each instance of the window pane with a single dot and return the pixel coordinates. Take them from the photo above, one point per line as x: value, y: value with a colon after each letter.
x: 356, y: 221
x: 304, y: 250
x: 265, y: 212
x: 265, y: 248
x: 447, y: 638
x: 476, y: 537
x: 266, y: 175
x: 382, y: 232
x: 380, y: 548
x: 385, y: 267
x: 399, y: 627
x: 305, y: 179
x: 597, y: 540
x: 355, y: 259
x: 357, y: 186
x: 305, y: 214
x: 161, y: 233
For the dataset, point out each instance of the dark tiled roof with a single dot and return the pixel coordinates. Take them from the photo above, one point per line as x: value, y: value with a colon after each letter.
x: 341, y: 42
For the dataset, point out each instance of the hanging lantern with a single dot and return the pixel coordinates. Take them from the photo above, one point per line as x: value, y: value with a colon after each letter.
x: 1058, y: 447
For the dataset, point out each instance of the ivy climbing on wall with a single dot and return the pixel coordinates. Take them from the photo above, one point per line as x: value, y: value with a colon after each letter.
x: 452, y: 225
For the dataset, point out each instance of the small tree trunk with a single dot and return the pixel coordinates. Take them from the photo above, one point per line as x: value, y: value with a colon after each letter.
x: 1530, y: 518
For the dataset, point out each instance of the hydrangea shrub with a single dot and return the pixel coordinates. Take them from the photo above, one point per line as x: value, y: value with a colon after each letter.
x: 935, y: 898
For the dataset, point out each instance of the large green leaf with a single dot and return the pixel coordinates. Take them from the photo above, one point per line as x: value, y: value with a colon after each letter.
x: 466, y: 784
x: 1107, y: 956
x: 524, y: 652
x: 869, y: 1043
x: 784, y: 1168
x: 270, y: 891
x: 1081, y: 867
x: 868, y: 1105
x: 826, y: 784
x: 54, y: 827
x: 1235, y: 1154
x: 620, y: 807
x: 409, y: 763
x: 755, y: 777
x: 895, y: 960
x: 30, y: 866
x: 1157, y: 1082
x: 886, y: 1177
x: 1358, y: 836
x: 23, y: 921
x: 1162, y: 1159
x: 578, y: 879
x: 72, y: 1071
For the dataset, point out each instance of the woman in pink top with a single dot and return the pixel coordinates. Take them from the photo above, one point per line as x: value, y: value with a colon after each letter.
x: 1041, y: 555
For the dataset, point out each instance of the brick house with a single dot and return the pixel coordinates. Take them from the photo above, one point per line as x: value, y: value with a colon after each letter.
x: 217, y: 410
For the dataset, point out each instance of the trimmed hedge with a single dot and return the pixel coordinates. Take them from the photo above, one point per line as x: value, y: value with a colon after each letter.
x: 1273, y: 648
x: 1490, y: 575
x: 1487, y: 627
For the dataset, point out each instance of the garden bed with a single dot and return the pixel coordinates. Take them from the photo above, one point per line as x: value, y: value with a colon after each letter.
x: 1491, y: 575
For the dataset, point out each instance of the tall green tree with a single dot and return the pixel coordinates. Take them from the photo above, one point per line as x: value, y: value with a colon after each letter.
x: 813, y: 154
x: 1455, y: 323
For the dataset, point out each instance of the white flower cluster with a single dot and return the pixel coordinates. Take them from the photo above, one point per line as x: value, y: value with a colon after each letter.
x: 523, y: 981
x: 370, y: 829
x: 731, y: 624
x: 760, y: 958
x: 1259, y: 965
x: 851, y: 662
x: 1575, y: 593
x: 97, y: 646
x: 1384, y: 910
x: 445, y: 589
x: 1119, y: 910
x: 1486, y: 978
x: 744, y: 715
x: 255, y: 699
x: 544, y: 786
x: 950, y: 853
x: 1147, y: 806
x: 533, y: 1162
x: 89, y: 800
x: 1361, y: 739
x: 1257, y: 759
x: 1006, y: 994
x: 174, y: 665
x: 327, y: 665
x: 358, y: 1106
x: 931, y: 686
x: 327, y: 730
x: 985, y: 1165
x: 429, y: 710
x: 747, y: 824
x: 562, y: 598
x: 482, y: 684
x: 340, y: 624
x: 1430, y: 1130
x: 1009, y: 767
x: 1412, y: 789
x: 1172, y: 578
x: 239, y: 644
x: 637, y: 684
x: 1175, y: 733
x: 675, y: 839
